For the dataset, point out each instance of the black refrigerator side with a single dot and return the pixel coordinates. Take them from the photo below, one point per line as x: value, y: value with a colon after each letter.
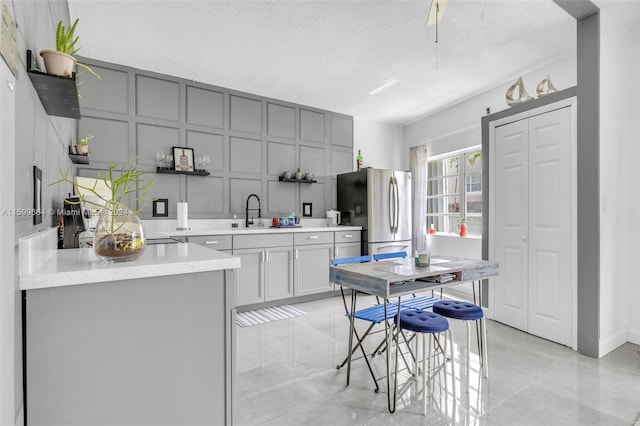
x: 352, y: 202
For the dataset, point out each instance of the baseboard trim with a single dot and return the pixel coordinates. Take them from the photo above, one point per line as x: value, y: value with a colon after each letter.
x: 612, y: 342
x: 633, y: 336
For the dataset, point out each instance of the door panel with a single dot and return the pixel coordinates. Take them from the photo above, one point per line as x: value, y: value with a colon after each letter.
x: 312, y: 269
x: 511, y: 216
x: 550, y: 264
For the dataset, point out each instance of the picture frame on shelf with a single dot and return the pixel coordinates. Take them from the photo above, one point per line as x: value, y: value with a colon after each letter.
x: 183, y: 159
x: 161, y: 207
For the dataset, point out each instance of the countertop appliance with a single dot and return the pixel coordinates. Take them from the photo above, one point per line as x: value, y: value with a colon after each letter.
x: 379, y: 200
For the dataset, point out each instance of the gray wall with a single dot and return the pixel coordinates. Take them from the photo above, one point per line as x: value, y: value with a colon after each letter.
x: 250, y: 139
x: 40, y: 140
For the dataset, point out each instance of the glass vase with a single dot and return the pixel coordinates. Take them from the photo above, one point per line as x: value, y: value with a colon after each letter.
x: 119, y: 234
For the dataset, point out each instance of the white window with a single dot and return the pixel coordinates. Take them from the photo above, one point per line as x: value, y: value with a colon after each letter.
x: 454, y: 190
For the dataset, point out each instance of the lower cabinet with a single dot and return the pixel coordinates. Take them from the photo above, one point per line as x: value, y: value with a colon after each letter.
x: 313, y: 254
x: 266, y: 272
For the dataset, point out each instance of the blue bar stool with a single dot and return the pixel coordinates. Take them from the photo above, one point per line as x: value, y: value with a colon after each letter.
x: 427, y: 324
x: 468, y: 312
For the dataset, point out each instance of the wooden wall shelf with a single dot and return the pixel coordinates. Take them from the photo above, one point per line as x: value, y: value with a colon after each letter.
x: 178, y: 172
x: 59, y: 95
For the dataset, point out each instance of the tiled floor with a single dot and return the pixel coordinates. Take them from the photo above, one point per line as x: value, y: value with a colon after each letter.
x: 286, y: 375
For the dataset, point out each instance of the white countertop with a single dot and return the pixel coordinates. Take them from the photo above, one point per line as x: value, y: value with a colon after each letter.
x: 82, y: 266
x: 167, y: 228
x: 257, y: 230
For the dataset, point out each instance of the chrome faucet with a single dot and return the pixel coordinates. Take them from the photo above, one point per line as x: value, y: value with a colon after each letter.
x: 247, y: 209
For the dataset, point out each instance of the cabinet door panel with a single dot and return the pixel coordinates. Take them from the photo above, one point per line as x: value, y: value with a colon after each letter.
x: 279, y: 273
x: 250, y: 277
x: 312, y: 269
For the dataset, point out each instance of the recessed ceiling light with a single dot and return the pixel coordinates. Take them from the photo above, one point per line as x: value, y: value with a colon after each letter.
x: 385, y: 86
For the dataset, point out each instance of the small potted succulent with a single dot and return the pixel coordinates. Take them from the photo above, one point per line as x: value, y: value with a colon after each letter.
x: 298, y: 174
x: 82, y: 147
x: 462, y: 226
x: 60, y: 61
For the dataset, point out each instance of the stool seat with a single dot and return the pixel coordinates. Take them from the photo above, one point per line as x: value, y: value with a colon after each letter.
x: 458, y: 310
x: 422, y: 322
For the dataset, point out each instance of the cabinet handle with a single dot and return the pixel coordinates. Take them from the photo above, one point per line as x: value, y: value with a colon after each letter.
x: 347, y: 236
x: 296, y: 254
x: 266, y: 256
x: 336, y: 251
x: 211, y: 242
x: 313, y: 237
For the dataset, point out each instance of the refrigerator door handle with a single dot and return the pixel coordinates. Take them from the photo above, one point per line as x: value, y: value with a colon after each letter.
x: 397, y: 200
x: 391, y: 206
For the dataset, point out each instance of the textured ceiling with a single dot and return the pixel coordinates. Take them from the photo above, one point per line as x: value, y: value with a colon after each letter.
x: 332, y: 54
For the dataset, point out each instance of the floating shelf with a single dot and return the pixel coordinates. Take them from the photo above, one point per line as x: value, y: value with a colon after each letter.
x: 179, y: 172
x: 59, y: 95
x: 283, y: 179
x: 78, y: 158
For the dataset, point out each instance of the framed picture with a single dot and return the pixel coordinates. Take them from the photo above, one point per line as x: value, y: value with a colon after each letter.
x: 161, y: 207
x: 37, y: 195
x: 183, y: 159
x: 306, y: 210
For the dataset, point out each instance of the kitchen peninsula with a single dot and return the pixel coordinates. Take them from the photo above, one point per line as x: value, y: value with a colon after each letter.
x: 150, y: 341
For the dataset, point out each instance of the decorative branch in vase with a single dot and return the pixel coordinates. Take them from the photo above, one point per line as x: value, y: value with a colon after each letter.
x: 119, y: 234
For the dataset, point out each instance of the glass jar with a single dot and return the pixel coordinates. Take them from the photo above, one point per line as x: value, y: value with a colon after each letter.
x: 119, y: 234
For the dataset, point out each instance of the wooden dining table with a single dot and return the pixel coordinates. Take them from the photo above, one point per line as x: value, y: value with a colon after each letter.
x: 393, y: 278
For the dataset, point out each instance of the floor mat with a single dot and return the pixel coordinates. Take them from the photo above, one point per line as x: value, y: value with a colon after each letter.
x: 265, y: 315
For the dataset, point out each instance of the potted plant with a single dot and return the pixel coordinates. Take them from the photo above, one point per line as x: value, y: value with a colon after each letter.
x: 82, y: 147
x: 298, y: 174
x: 462, y: 226
x: 119, y: 234
x: 61, y: 60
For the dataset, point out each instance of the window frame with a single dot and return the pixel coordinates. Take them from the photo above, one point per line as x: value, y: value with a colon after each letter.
x: 449, y: 219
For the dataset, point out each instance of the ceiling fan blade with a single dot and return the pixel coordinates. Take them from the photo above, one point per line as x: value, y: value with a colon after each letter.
x: 438, y: 6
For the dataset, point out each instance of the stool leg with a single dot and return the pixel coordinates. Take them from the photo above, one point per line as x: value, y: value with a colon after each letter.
x: 426, y: 368
x: 485, y: 364
x: 449, y: 341
x: 468, y: 355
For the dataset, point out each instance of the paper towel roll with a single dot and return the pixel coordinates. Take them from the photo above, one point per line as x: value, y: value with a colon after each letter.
x: 183, y: 215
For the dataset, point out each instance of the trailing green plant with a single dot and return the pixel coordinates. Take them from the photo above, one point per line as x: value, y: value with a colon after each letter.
x: 471, y: 158
x: 66, y: 43
x: 462, y: 221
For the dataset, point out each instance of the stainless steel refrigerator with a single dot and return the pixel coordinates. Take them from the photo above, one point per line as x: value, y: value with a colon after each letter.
x: 379, y: 200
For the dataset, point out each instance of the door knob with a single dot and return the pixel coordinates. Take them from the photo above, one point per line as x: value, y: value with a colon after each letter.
x: 524, y: 238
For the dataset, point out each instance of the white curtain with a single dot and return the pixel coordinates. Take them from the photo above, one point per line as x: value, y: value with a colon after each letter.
x: 419, y: 173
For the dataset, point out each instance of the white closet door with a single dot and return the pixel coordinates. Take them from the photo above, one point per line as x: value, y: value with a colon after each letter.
x: 550, y: 228
x: 511, y: 218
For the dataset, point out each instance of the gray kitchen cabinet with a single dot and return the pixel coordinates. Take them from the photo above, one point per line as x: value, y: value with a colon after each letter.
x: 347, y: 244
x: 217, y: 242
x: 313, y: 254
x: 267, y: 267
